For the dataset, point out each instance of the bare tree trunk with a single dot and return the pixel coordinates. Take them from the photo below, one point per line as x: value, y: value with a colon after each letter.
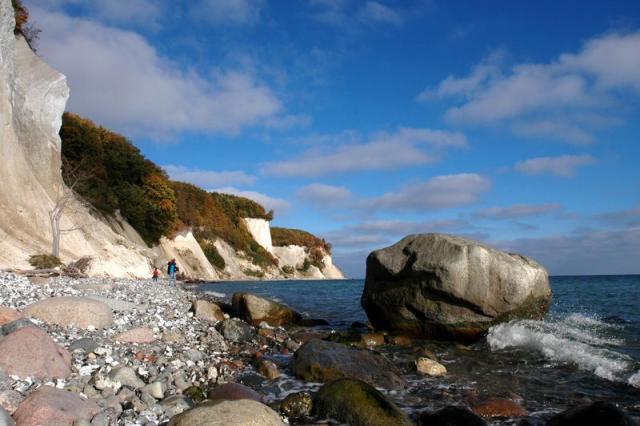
x: 55, y: 230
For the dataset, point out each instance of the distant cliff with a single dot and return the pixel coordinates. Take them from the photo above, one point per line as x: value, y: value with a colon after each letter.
x: 123, y: 211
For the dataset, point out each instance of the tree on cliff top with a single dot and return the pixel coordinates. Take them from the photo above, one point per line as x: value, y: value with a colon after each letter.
x: 23, y: 26
x: 121, y: 178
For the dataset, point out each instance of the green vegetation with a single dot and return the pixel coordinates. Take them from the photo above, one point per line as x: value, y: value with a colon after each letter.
x: 288, y: 269
x: 44, y: 261
x: 213, y: 215
x: 23, y: 26
x: 212, y: 254
x: 315, y: 247
x: 253, y: 273
x: 111, y: 174
x: 287, y: 237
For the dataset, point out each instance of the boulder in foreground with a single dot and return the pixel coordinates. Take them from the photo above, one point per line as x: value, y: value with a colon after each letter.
x: 446, y: 287
x: 255, y: 309
x: 69, y: 311
x: 242, y: 412
x: 357, y: 403
x: 597, y: 413
x: 51, y: 406
x: 322, y: 361
x: 30, y: 352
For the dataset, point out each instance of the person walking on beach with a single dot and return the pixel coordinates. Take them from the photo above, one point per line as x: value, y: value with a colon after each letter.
x: 155, y: 274
x: 172, y: 270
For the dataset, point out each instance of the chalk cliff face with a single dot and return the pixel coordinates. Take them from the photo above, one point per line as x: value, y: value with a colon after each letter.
x: 32, y: 99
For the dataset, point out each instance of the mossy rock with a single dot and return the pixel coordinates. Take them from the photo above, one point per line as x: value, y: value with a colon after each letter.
x: 358, y: 404
x: 195, y: 393
x: 347, y: 337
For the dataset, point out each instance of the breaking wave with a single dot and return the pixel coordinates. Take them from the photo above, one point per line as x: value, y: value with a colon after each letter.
x: 576, y: 339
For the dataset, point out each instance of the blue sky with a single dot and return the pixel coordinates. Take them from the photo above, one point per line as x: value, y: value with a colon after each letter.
x: 363, y: 121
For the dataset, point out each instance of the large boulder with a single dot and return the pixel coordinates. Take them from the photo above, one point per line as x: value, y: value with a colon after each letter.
x: 322, y: 361
x: 242, y: 412
x: 450, y: 416
x: 80, y: 312
x: 255, y: 309
x: 233, y: 392
x: 8, y: 315
x: 206, y: 310
x: 30, y: 352
x: 447, y: 287
x: 51, y: 406
x: 357, y: 403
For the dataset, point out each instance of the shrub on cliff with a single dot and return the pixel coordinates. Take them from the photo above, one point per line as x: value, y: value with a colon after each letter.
x: 213, y: 215
x: 44, y: 261
x: 23, y: 26
x: 119, y: 177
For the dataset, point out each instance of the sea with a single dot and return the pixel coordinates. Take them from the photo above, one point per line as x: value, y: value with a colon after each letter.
x: 587, y: 348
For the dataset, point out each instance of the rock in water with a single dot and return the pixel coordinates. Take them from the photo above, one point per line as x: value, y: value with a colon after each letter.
x: 254, y: 309
x: 321, y: 361
x: 358, y: 404
x: 51, y: 406
x: 597, y: 413
x: 243, y: 412
x: 81, y: 312
x: 450, y: 416
x: 30, y: 352
x: 446, y: 287
x: 297, y: 405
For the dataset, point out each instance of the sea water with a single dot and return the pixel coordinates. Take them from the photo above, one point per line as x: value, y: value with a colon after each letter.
x: 586, y: 348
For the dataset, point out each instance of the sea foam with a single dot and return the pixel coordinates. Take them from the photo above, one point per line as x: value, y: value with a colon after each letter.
x: 576, y: 339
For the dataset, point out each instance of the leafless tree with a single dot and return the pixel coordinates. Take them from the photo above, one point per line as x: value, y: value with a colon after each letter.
x: 62, y: 203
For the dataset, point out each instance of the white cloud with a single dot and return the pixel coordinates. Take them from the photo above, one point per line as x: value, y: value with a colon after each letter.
x: 208, y: 178
x: 324, y: 196
x: 228, y: 12
x: 383, y: 151
x: 550, y: 99
x: 583, y: 253
x: 517, y: 211
x: 288, y: 121
x: 439, y: 192
x: 376, y: 12
x: 278, y: 205
x: 621, y: 218
x: 348, y: 16
x: 564, y: 165
x: 139, y: 12
x: 118, y: 79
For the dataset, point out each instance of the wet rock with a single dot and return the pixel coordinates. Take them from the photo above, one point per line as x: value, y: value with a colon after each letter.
x: 321, y: 361
x: 399, y: 340
x: 86, y: 344
x: 136, y: 335
x: 244, y: 412
x: 5, y: 418
x: 233, y: 391
x: 126, y: 376
x: 10, y: 400
x: 297, y: 405
x: 357, y: 403
x: 312, y: 322
x: 450, y: 416
x: 49, y: 406
x: 80, y: 312
x: 30, y: 352
x: 346, y: 337
x: 250, y: 379
x: 372, y: 339
x: 430, y: 367
x: 254, y: 310
x: 499, y: 408
x: 175, y: 405
x: 8, y: 315
x: 237, y: 331
x: 446, y: 287
x: 597, y: 413
x: 268, y: 369
x: 206, y: 310
x: 195, y: 393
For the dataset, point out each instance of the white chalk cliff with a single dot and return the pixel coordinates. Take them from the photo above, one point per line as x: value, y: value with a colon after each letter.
x: 32, y: 99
